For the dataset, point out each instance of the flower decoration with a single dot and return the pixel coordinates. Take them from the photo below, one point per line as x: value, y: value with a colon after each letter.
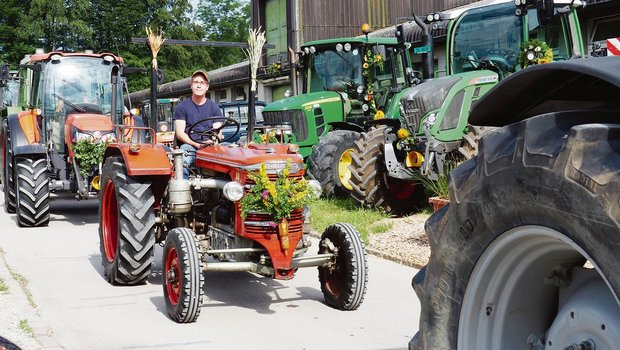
x: 406, y: 141
x: 534, y: 52
x: 89, y: 154
x: 371, y: 60
x: 274, y: 68
x: 379, y: 115
x: 277, y: 198
x: 268, y: 137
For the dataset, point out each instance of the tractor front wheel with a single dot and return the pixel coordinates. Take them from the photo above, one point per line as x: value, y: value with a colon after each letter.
x: 343, y: 283
x: 126, y: 225
x: 371, y: 185
x: 330, y: 160
x: 183, y: 276
x: 32, y: 199
x: 528, y: 254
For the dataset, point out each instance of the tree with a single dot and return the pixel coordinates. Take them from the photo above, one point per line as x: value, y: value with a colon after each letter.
x: 12, y: 48
x: 225, y: 20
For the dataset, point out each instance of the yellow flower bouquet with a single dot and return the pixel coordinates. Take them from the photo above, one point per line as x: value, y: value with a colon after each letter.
x: 277, y: 198
x: 534, y: 52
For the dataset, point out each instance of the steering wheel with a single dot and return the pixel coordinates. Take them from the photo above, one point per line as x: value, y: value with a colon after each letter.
x: 211, y: 133
x: 501, y: 58
x: 71, y: 104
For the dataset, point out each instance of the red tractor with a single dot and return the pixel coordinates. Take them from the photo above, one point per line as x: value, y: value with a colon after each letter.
x: 68, y: 99
x: 145, y: 200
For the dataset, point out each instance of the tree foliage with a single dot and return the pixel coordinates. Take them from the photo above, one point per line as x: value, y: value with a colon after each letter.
x: 225, y: 20
x: 109, y: 25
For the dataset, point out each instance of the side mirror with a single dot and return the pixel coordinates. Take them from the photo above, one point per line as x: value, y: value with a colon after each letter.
x: 544, y: 11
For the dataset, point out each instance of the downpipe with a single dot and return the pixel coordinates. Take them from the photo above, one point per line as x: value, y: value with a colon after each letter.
x: 324, y: 260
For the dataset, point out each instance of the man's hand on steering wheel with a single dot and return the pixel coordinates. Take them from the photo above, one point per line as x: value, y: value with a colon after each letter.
x: 210, y: 136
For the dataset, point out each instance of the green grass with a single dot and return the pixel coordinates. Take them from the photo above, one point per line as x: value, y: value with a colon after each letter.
x: 325, y: 212
x: 24, y: 326
x: 3, y: 286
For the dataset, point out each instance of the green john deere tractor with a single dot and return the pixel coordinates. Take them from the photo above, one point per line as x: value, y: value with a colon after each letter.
x: 431, y: 135
x: 347, y: 82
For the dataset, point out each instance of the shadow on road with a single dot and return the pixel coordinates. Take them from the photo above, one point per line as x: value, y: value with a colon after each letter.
x: 73, y: 211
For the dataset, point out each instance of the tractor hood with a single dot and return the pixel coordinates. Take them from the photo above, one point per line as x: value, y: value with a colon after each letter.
x: 222, y: 158
x: 589, y: 83
x: 304, y: 101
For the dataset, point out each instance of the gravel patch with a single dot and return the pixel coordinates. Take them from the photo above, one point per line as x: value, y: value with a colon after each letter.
x: 405, y: 243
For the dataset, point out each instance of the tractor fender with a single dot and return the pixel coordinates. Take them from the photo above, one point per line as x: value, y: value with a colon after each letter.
x: 33, y: 149
x: 141, y: 159
x: 23, y: 128
x: 346, y: 126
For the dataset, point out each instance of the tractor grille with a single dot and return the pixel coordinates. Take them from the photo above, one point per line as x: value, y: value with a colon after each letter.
x: 424, y: 98
x: 295, y: 118
x: 260, y: 223
x: 274, y: 177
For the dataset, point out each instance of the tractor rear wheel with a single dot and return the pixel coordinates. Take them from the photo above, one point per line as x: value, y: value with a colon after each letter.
x: 126, y: 225
x: 370, y: 183
x: 344, y: 283
x: 329, y: 162
x: 183, y: 277
x: 33, y: 196
x: 8, y: 181
x: 528, y: 251
x: 469, y: 146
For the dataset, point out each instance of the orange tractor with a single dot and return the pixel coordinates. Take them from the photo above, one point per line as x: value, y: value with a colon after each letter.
x: 67, y: 99
x: 145, y: 200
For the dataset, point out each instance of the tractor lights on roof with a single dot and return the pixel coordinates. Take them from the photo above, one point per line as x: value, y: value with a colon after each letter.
x: 338, y: 47
x: 347, y: 47
x: 108, y: 58
x: 55, y: 57
x: 521, y: 9
x: 233, y: 191
x: 433, y: 17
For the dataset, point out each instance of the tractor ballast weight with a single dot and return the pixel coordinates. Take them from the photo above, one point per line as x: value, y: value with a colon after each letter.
x: 145, y: 200
x: 71, y: 99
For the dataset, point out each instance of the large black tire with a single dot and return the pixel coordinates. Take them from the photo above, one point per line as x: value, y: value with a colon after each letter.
x: 183, y: 277
x: 508, y: 254
x: 126, y: 225
x: 33, y: 196
x: 8, y: 181
x: 329, y: 162
x: 344, y: 284
x: 370, y: 183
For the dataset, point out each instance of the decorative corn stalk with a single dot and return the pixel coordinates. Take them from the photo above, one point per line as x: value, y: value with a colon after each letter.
x: 155, y: 43
x: 256, y: 40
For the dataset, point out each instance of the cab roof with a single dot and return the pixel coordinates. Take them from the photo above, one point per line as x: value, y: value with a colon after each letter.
x: 37, y: 57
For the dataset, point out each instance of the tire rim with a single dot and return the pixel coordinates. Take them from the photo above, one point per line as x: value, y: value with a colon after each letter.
x: 334, y: 280
x: 400, y: 189
x: 506, y: 301
x: 343, y: 169
x: 172, y: 273
x: 109, y: 219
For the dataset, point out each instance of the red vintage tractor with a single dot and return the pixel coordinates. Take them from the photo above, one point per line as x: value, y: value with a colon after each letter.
x: 67, y: 99
x: 145, y: 200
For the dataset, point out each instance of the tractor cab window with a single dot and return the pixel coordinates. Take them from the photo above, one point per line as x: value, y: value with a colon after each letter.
x: 552, y: 34
x: 333, y: 69
x: 381, y: 61
x: 491, y: 33
x: 79, y: 84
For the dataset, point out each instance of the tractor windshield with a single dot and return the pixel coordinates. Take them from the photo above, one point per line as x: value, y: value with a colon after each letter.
x: 333, y: 69
x: 80, y: 84
x: 553, y: 35
x: 492, y: 33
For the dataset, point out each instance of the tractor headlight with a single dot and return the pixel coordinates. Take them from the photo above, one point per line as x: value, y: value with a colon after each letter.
x: 233, y: 191
x: 316, y: 187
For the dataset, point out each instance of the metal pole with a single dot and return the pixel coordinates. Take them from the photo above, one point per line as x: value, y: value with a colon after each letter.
x: 153, y: 103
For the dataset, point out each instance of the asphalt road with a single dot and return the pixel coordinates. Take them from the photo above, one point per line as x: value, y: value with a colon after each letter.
x: 77, y: 309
